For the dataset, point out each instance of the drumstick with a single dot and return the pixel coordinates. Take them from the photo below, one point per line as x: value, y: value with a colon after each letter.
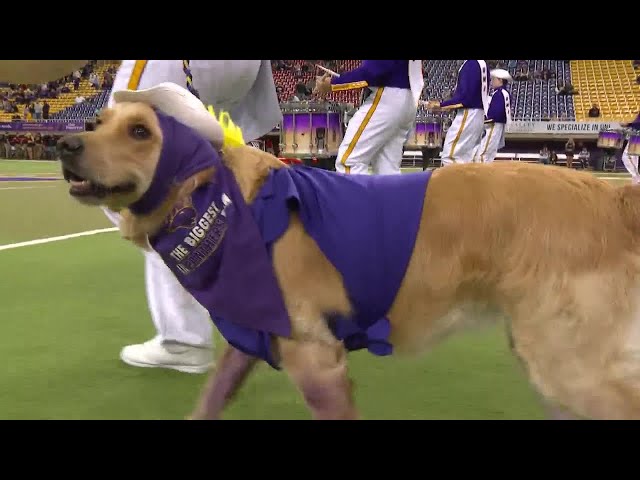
x: 330, y: 72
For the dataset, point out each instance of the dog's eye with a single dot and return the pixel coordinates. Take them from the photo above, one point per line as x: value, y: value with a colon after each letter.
x: 140, y: 132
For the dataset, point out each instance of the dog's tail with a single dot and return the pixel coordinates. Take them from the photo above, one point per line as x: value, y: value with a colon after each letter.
x: 629, y: 204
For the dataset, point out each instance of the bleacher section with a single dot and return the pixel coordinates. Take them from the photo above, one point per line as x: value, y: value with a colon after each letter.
x: 69, y: 110
x: 64, y: 107
x: 286, y: 79
x: 611, y: 84
x: 536, y: 100
x: 533, y: 99
x: 87, y: 109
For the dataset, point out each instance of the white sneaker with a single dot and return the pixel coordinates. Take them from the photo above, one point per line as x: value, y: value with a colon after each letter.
x: 176, y: 356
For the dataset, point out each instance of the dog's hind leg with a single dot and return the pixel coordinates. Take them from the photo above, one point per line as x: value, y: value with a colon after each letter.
x: 586, y: 355
x: 319, y: 370
x: 232, y: 370
x: 553, y: 412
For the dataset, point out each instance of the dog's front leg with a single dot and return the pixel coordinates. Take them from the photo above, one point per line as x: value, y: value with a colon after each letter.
x: 319, y: 370
x: 232, y: 370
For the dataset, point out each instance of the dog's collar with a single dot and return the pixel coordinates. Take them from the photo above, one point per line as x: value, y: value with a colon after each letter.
x: 184, y: 153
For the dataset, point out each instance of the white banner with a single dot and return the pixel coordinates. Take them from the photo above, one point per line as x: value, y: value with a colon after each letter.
x: 561, y: 128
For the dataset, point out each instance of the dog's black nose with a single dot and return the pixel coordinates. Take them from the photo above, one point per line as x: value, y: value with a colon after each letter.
x: 70, y: 146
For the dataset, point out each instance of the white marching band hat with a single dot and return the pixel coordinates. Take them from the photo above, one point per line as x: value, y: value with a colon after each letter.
x: 502, y: 74
x: 181, y: 104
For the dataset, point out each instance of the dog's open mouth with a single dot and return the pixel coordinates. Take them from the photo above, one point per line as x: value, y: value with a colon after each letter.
x: 81, y: 187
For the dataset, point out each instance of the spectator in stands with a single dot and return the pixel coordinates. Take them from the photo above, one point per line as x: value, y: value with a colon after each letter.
x: 76, y: 83
x: 563, y: 117
x: 636, y: 64
x: 6, y: 105
x: 546, y: 74
x: 594, y: 111
x: 545, y: 154
x: 25, y: 112
x: 38, y: 148
x: 280, y: 93
x: 32, y: 111
x: 77, y: 74
x: 80, y: 99
x: 37, y: 108
x: 45, y: 110
x: 638, y: 79
x: 560, y: 88
x: 107, y: 81
x: 301, y: 91
x: 569, y: 150
x: 553, y: 157
x: 310, y: 85
x: 94, y: 80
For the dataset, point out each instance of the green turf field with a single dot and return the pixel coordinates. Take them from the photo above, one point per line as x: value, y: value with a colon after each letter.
x: 67, y: 307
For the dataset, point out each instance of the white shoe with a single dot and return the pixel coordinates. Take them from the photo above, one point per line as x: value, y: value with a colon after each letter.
x: 176, y: 356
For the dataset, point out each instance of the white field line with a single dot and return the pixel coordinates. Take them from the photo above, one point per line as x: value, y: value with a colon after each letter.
x: 11, y: 160
x: 27, y: 188
x: 56, y: 239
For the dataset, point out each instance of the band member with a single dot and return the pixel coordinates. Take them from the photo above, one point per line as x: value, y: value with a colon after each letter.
x: 631, y: 162
x: 377, y: 132
x: 497, y: 120
x: 470, y: 100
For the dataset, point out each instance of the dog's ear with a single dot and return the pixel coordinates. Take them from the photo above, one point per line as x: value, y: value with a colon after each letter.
x: 250, y: 167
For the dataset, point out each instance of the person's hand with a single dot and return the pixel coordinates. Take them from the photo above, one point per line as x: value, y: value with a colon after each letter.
x: 432, y: 105
x: 323, y: 85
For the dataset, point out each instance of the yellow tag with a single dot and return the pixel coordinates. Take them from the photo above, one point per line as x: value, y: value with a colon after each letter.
x: 232, y: 133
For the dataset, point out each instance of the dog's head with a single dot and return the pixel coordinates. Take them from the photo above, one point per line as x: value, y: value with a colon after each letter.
x: 133, y: 158
x: 114, y: 164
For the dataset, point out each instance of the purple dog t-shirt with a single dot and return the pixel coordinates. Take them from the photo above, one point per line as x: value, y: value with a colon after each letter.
x: 365, y: 225
x: 219, y: 248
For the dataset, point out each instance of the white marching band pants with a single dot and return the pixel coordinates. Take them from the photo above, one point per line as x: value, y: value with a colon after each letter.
x: 631, y: 164
x: 489, y: 145
x: 463, y: 136
x: 377, y: 132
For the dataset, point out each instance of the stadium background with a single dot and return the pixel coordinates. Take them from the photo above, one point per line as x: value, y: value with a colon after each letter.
x: 67, y: 307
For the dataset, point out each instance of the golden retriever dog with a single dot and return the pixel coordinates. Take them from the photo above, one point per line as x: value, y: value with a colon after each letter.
x: 552, y: 252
